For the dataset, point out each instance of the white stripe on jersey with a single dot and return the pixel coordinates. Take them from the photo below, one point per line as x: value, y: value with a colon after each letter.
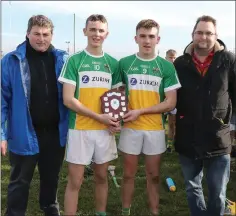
x: 173, y: 87
x: 95, y: 79
x: 64, y: 80
x: 144, y: 82
x: 63, y: 70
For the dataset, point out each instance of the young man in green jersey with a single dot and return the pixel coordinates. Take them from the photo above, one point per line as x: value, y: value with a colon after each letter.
x: 148, y: 79
x: 87, y: 75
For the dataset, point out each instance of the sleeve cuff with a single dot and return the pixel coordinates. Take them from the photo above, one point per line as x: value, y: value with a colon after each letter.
x: 64, y: 80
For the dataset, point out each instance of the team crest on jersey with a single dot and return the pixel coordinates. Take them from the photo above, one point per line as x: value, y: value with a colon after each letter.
x: 156, y: 69
x: 106, y: 66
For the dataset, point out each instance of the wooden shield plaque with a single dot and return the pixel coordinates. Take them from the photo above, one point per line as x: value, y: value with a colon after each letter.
x: 114, y: 103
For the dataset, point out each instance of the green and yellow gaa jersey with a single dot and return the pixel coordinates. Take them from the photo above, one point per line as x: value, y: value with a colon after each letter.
x: 92, y: 76
x: 146, y: 83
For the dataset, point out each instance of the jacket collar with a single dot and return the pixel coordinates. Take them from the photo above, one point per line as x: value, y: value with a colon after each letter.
x: 30, y: 51
x: 20, y: 51
x: 219, y: 46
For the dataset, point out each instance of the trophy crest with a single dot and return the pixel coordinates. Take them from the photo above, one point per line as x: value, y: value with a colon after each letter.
x: 114, y: 103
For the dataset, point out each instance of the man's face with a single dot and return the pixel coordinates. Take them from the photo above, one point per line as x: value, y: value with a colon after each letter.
x: 204, y: 37
x: 40, y: 38
x: 171, y: 57
x: 96, y: 32
x: 147, y: 39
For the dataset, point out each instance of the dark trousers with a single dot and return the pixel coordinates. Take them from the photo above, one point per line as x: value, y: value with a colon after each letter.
x: 49, y: 162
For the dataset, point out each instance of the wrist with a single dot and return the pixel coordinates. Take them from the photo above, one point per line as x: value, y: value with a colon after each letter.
x: 97, y: 117
x: 141, y: 111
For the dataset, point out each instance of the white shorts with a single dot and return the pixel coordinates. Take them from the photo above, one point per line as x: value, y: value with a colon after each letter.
x: 85, y: 146
x: 137, y: 141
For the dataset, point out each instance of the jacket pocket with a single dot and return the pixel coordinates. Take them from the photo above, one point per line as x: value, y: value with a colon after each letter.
x: 222, y: 116
x: 220, y: 123
x: 221, y: 134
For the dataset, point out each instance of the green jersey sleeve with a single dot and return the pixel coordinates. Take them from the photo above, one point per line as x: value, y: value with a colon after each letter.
x: 69, y: 73
x: 170, y: 80
x: 116, y: 77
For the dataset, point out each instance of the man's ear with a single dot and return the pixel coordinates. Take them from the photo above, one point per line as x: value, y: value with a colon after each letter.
x: 158, y: 39
x: 84, y: 30
x: 107, y: 34
x: 136, y: 39
x: 192, y: 36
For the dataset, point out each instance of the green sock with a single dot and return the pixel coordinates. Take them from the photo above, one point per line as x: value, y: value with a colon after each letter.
x: 100, y: 214
x: 126, y: 211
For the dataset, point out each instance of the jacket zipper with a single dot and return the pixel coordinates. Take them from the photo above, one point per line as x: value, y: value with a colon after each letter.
x: 27, y: 100
x: 46, y: 78
x: 46, y: 87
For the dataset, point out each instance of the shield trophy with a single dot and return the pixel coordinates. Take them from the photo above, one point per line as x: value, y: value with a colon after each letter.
x: 114, y: 103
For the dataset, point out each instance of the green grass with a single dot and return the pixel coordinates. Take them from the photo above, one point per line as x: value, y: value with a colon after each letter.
x: 171, y: 203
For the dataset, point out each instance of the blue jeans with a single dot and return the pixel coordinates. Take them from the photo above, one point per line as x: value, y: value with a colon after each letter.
x: 217, y: 177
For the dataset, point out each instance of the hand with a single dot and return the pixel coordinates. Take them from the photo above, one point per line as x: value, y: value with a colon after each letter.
x: 122, y: 89
x: 108, y: 120
x: 132, y: 115
x: 4, y: 147
x: 113, y: 129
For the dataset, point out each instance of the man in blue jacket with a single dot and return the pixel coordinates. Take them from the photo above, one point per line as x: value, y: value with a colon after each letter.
x: 34, y: 120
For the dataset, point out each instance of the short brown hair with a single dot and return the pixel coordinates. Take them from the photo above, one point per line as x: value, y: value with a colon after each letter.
x: 147, y: 24
x: 204, y: 18
x: 41, y: 21
x: 171, y: 51
x: 96, y: 17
